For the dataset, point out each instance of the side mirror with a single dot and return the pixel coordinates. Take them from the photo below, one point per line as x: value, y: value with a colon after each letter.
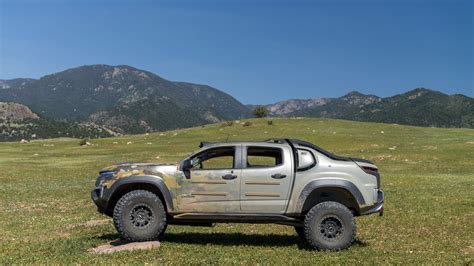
x: 186, y: 165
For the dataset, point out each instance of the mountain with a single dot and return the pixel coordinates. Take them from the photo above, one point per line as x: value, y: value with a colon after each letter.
x: 17, y: 121
x: 419, y: 107
x: 16, y: 112
x: 422, y: 107
x: 341, y: 107
x: 14, y: 83
x: 141, y: 116
x: 289, y: 107
x: 122, y: 97
x: 292, y: 105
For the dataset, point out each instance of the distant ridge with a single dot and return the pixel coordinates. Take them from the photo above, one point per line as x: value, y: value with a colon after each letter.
x: 419, y: 107
x: 108, y: 100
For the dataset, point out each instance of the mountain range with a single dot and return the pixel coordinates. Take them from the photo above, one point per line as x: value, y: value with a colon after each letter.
x: 105, y: 100
x: 418, y: 107
x: 123, y: 98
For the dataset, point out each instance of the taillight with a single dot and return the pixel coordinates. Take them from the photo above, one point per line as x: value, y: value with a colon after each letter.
x: 372, y: 171
x: 369, y: 170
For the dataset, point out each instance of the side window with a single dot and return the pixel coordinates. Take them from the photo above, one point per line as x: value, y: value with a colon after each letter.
x: 214, y: 158
x: 306, y: 160
x: 264, y: 157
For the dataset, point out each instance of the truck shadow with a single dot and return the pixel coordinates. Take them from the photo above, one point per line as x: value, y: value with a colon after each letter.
x: 238, y: 239
x: 231, y: 239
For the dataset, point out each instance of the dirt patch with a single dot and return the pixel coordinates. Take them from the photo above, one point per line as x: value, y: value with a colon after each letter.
x: 122, y: 245
x: 93, y: 223
x: 468, y: 250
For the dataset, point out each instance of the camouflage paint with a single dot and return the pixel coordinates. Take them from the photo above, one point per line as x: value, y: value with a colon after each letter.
x: 205, y: 191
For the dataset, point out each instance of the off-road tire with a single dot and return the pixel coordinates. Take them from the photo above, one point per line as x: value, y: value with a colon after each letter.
x: 140, y: 216
x: 329, y: 226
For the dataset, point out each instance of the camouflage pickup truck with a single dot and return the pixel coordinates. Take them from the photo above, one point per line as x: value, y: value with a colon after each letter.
x: 289, y: 182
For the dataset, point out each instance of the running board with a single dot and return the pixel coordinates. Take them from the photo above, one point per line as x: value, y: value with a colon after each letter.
x: 236, y: 218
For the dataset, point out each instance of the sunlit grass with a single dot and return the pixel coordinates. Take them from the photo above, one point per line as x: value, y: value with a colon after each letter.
x: 427, y: 175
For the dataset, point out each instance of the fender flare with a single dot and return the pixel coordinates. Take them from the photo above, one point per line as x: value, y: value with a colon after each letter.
x: 329, y: 183
x: 144, y: 179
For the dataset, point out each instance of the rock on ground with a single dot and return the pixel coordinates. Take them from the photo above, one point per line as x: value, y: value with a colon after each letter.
x: 122, y: 245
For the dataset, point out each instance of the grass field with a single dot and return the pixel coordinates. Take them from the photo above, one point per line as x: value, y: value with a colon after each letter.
x: 46, y: 214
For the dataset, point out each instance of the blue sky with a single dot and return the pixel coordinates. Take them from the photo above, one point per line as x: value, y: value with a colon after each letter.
x: 258, y: 51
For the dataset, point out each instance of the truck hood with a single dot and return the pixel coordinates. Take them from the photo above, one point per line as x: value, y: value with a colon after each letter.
x: 130, y: 167
x: 111, y: 174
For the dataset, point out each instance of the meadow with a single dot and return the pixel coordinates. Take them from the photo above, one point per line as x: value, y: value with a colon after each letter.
x: 47, y: 216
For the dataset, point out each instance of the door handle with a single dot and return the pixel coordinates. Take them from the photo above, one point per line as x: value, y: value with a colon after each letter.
x: 278, y: 176
x: 229, y: 177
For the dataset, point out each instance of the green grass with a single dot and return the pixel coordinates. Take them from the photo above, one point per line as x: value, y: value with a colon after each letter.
x: 428, y: 180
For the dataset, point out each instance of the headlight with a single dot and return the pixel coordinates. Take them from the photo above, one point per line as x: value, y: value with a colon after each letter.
x: 103, y: 177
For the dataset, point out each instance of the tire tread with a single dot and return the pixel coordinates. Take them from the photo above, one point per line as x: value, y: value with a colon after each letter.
x: 118, y: 209
x: 309, y: 225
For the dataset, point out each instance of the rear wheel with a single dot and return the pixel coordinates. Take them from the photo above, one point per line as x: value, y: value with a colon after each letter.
x: 329, y: 226
x: 140, y: 216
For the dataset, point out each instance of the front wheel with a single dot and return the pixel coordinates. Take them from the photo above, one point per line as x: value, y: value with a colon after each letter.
x: 140, y: 216
x: 329, y: 226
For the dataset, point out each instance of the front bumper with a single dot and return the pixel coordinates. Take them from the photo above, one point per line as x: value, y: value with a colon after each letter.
x: 97, y: 195
x: 377, y: 207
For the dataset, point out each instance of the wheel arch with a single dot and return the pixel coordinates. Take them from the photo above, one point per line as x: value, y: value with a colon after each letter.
x: 153, y: 184
x: 342, y: 191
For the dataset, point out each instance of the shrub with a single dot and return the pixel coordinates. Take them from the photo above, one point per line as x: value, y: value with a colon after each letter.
x: 260, y: 111
x: 228, y: 123
x: 84, y: 142
x: 270, y: 122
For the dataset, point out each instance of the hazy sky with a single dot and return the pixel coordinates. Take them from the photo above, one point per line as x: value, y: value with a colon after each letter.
x: 258, y: 51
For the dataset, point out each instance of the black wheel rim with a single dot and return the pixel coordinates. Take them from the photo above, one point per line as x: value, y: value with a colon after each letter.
x: 141, y: 215
x: 331, y: 228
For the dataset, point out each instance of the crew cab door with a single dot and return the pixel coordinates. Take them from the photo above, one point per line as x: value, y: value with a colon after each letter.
x: 214, y: 181
x: 267, y: 176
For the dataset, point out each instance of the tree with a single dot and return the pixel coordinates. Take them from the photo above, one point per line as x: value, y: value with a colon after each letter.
x: 260, y: 111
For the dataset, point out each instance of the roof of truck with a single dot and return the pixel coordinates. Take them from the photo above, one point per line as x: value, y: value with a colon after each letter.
x: 291, y: 142
x: 217, y: 143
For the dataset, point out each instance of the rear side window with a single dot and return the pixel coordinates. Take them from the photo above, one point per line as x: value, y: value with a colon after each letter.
x: 258, y: 157
x: 306, y: 160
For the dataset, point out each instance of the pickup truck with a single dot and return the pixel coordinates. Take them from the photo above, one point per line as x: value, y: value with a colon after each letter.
x: 281, y: 181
